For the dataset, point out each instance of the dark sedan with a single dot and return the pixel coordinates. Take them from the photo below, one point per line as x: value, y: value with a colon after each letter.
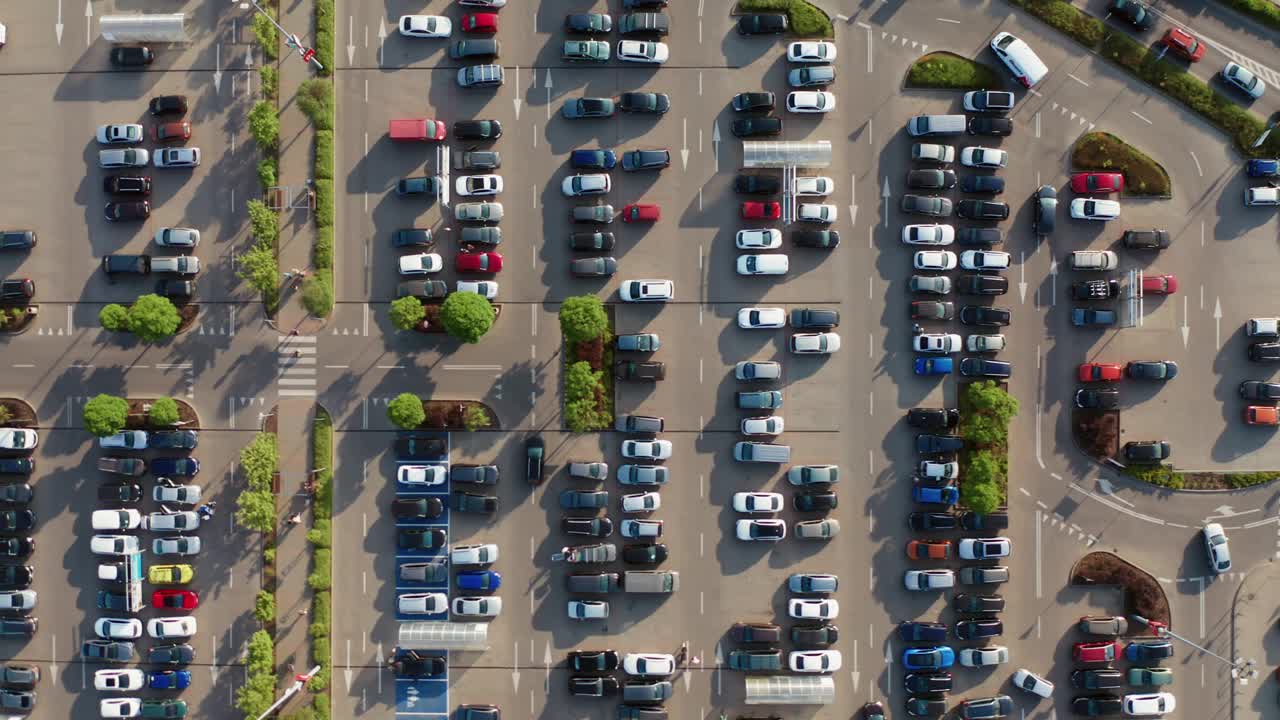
x: 17, y: 239
x: 591, y: 527
x: 983, y: 315
x: 979, y: 237
x: 815, y: 502
x: 1145, y: 239
x: 1095, y: 289
x: 466, y: 502
x: 1134, y: 13
x: 1157, y: 370
x: 969, y: 604
x: 1100, y: 398
x: 15, y: 494
x: 588, y: 23
x: 16, y: 520
x: 593, y: 267
x: 931, y: 179
x: 992, y: 184
x: 757, y: 185
x: 421, y: 538
x: 982, y: 210
x: 762, y: 24
x: 926, y: 706
x: 927, y: 444
x: 932, y: 310
x: 16, y: 547
x: 978, y: 367
x: 423, y: 289
x: 121, y: 211
x: 1259, y: 390
x: 413, y: 664
x: 1264, y: 352
x: 173, y: 440
x: 925, y: 521
x: 127, y: 185
x: 996, y: 126
x: 979, y: 629
x: 416, y: 508
x: 644, y: 102
x: 814, y: 636
x: 412, y: 238
x: 134, y: 56
x: 1096, y: 705
x: 644, y: 554
x: 593, y: 661
x: 171, y: 655
x: 1147, y: 451
x: 982, y: 284
x: 634, y: 160
x: 753, y: 102
x: 16, y: 577
x: 175, y: 467
x: 1103, y: 679
x: 756, y: 126
x: 477, y: 130
x: 821, y: 239
x: 168, y: 105
x: 930, y: 632
x: 924, y: 683
x: 591, y: 241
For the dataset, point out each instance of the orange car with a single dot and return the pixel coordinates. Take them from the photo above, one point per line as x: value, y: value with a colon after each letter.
x: 929, y: 549
x: 1262, y: 415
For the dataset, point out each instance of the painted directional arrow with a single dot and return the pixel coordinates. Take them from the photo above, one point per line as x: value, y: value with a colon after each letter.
x: 217, y: 68
x: 884, y: 194
x: 351, y: 47
x: 57, y: 30
x: 347, y: 672
x: 1022, y: 279
x: 1217, y: 320
x: 1105, y: 487
x: 1053, y: 278
x: 515, y: 669
x: 715, y: 144
x: 546, y: 83
x: 382, y: 662
x: 516, y: 101
x: 382, y: 42
x: 853, y: 202
x: 684, y: 144
x: 88, y: 23
x: 1186, y: 329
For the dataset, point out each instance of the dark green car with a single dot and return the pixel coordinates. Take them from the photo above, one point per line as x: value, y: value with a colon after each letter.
x: 164, y: 708
x: 585, y: 51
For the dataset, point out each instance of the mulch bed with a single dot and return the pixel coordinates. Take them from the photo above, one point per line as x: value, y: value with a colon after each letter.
x: 449, y: 415
x: 431, y: 324
x: 1142, y: 592
x: 188, y: 313
x: 32, y: 311
x: 137, y: 419
x: 271, y: 423
x: 1096, y: 432
x: 21, y: 414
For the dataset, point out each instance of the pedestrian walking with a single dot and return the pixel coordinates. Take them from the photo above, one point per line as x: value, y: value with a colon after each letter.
x: 294, y: 519
x: 302, y: 612
x: 697, y: 660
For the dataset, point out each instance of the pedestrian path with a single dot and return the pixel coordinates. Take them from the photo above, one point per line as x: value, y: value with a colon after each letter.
x: 297, y: 366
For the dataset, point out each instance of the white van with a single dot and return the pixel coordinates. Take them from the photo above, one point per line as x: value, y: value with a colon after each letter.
x: 1025, y: 65
x: 761, y: 452
x: 927, y: 125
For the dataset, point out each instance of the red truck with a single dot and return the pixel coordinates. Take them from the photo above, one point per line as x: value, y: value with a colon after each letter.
x: 417, y: 129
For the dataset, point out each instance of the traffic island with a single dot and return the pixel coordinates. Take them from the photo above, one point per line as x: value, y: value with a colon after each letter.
x: 950, y: 71
x: 15, y: 412
x: 151, y: 318
x: 805, y: 18
x: 1104, y: 152
x: 1166, y: 476
x: 985, y: 411
x: 1142, y: 592
x: 587, y: 327
x: 410, y: 412
x: 435, y: 322
x: 1096, y: 432
x: 15, y: 321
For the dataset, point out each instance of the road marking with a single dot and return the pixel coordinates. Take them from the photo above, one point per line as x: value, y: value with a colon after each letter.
x: 1037, y: 627
x: 1037, y: 119
x: 871, y: 578
x: 1073, y: 77
x: 1135, y: 114
x: 1039, y: 525
x: 702, y: 608
x: 702, y: 481
x: 871, y: 288
x: 702, y: 545
x: 871, y: 463
x: 1201, y: 593
x: 870, y: 59
x: 1039, y: 456
x: 871, y: 341
x: 699, y: 371
x: 1201, y: 174
x: 393, y: 367
x: 948, y: 20
x: 871, y: 403
x: 466, y: 367
x: 699, y: 83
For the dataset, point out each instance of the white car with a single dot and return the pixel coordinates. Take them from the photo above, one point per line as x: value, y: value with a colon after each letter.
x: 813, y: 608
x: 935, y: 260
x: 771, y: 425
x: 930, y: 234
x: 126, y: 440
x: 588, y: 184
x: 641, y: 502
x: 179, y: 545
x: 423, y: 603
x: 758, y: 502
x: 478, y: 212
x: 425, y: 26
x: 114, y: 544
x: 814, y: 661
x: 991, y: 101
x: 487, y: 289
x: 636, y: 529
x: 937, y: 343
x: 118, y: 628
x: 932, y: 152
x: 181, y: 157
x: 984, y: 656
x: 917, y: 580
x: 1088, y: 209
x: 985, y: 343
x: 421, y: 474
x: 647, y: 290
x: 484, y: 3
x: 588, y: 609
x: 984, y: 548
x: 1149, y: 704
x: 757, y: 370
x: 1251, y: 84
x: 813, y: 186
x: 485, y: 554
x: 1024, y: 679
x: 769, y: 239
x: 984, y: 260
x: 171, y: 521
x: 120, y: 158
x: 816, y: 213
x: 810, y: 101
x: 1215, y: 544
x: 646, y: 449
x: 648, y: 664
x: 478, y: 185
x: 935, y: 470
x: 177, y: 264
x: 119, y: 680
x: 980, y: 157
x: 128, y: 519
x: 177, y: 237
x: 755, y: 318
x: 1262, y: 195
x: 171, y: 627
x: 823, y: 343
x: 1093, y: 260
x: 643, y: 51
x: 811, y: 52
x: 18, y: 600
x: 18, y: 439
x: 762, y: 530
x: 172, y: 492
x: 477, y: 606
x: 120, y: 708
x: 121, y: 134
x: 762, y: 264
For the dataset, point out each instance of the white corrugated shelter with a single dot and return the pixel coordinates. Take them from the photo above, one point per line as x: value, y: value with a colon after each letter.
x: 155, y: 27
x: 442, y: 635
x: 777, y: 154
x: 791, y: 690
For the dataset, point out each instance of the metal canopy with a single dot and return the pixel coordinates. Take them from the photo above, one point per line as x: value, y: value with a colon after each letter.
x: 790, y: 690
x: 442, y: 635
x: 155, y: 27
x: 776, y: 154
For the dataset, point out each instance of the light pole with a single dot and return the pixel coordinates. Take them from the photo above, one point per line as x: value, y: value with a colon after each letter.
x: 1240, y: 669
x: 293, y: 41
x: 298, y: 682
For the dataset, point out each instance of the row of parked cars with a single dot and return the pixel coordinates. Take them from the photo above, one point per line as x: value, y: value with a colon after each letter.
x: 813, y: 636
x: 17, y: 600
x: 1095, y: 675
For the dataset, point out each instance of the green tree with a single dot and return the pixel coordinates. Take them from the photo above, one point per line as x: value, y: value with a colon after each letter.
x: 105, y: 415
x: 256, y: 510
x: 580, y: 381
x: 583, y: 318
x: 406, y: 411
x: 152, y: 318
x: 264, y: 606
x: 258, y: 267
x: 990, y: 399
x: 263, y: 222
x: 264, y: 125
x: 268, y: 169
x: 466, y: 316
x: 474, y: 418
x: 582, y: 415
x: 259, y: 460
x: 315, y: 100
x: 581, y: 387
x: 980, y: 488
x: 114, y: 317
x: 164, y: 412
x: 407, y: 312
x: 270, y: 79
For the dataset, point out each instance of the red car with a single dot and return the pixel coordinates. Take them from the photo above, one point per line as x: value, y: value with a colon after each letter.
x: 1183, y: 44
x: 175, y: 599
x: 758, y: 210
x: 1091, y: 182
x: 480, y: 23
x: 1095, y: 652
x: 1100, y: 372
x: 1159, y: 284
x: 171, y: 131
x: 1262, y: 415
x: 478, y: 262
x: 641, y: 212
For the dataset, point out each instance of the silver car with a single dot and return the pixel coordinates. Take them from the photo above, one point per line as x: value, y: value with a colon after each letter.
x: 177, y: 237
x: 926, y: 205
x: 478, y: 212
x: 815, y: 76
x: 1215, y: 544
x: 643, y: 475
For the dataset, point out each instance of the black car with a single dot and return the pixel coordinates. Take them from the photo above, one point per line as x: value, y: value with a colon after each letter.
x: 924, y: 683
x: 173, y: 440
x: 802, y: 318
x: 927, y: 444
x: 479, y: 712
x: 593, y: 661
x: 24, y: 677
x: 762, y: 24
x: 644, y: 24
x: 17, y: 239
x: 753, y: 102
x: 983, y: 315
x: 16, y: 547
x: 810, y: 635
x: 168, y: 105
x: 590, y: 527
x: 1134, y: 13
x: 17, y: 466
x: 132, y: 56
x: 990, y: 521
x: 982, y: 210
x: 412, y: 238
x: 479, y: 160
x: 998, y: 126
x: 127, y: 185
x: 475, y: 48
x: 757, y: 185
x: 15, y: 520
x: 647, y: 370
x: 592, y: 686
x: 757, y: 633
x: 534, y: 450
x: 637, y: 4
x: 416, y: 508
x: 477, y: 130
x: 1155, y: 370
x: 982, y: 284
x: 1103, y: 679
x: 993, y: 184
x: 932, y: 310
x: 474, y: 474
x: 120, y: 211
x: 756, y: 126
x: 1145, y: 239
x: 591, y: 241
x: 1096, y: 705
x: 979, y: 367
x: 930, y: 632
x: 933, y: 418
x: 633, y: 160
x: 588, y: 23
x: 644, y: 102
x: 593, y: 267
x: 979, y: 628
x: 815, y: 501
x: 1044, y: 216
x: 16, y: 577
x: 473, y: 502
x: 644, y: 554
x: 414, y: 664
x: 1258, y: 390
x: 969, y: 604
x: 925, y: 521
x: 1146, y: 451
x: 108, y: 600
x: 424, y: 289
x: 979, y: 237
x: 421, y: 447
x: 1264, y: 352
x: 15, y: 494
x: 926, y: 706
x: 176, y: 290
x: 822, y: 239
x: 931, y: 179
x: 1095, y: 289
x: 1103, y: 398
x: 421, y: 538
x: 120, y: 493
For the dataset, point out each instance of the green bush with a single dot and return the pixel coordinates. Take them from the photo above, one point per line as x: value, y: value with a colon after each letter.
x: 321, y: 577
x: 582, y: 318
x: 324, y: 155
x: 317, y: 293
x: 163, y: 412
x: 259, y: 268
x: 105, y: 415
x: 256, y: 695
x: 1161, y: 475
x: 153, y: 318
x: 466, y: 316
x: 406, y: 313
x: 324, y: 25
x: 113, y: 317
x: 264, y: 607
x: 1243, y: 480
x: 268, y: 39
x: 990, y: 399
x: 324, y: 203
x: 256, y: 510
x: 321, y: 653
x: 1264, y: 11
x: 406, y: 411
x: 474, y: 418
x: 582, y: 387
x: 261, y: 654
x: 322, y: 253
x: 321, y: 615
x: 1104, y: 151
x: 269, y: 76
x: 268, y: 172
x: 259, y: 460
x: 264, y: 126
x: 1086, y: 29
x: 320, y: 706
x: 806, y: 19
x: 263, y: 222
x: 322, y: 461
x: 948, y: 70
x: 303, y: 713
x: 321, y: 533
x: 315, y: 100
x: 980, y: 486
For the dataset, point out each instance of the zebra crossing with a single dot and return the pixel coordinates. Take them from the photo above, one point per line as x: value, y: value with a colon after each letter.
x: 296, y: 373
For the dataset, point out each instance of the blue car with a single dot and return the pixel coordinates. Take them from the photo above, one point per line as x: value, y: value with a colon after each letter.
x: 943, y: 495
x: 934, y: 365
x: 169, y: 680
x: 175, y: 467
x: 1263, y: 168
x: 479, y: 580
x: 928, y: 658
x: 593, y: 159
x: 1148, y: 650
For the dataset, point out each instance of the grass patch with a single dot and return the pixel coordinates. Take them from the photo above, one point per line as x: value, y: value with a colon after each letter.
x: 1264, y: 11
x: 806, y: 19
x: 1081, y: 26
x: 1104, y: 151
x: 1160, y: 475
x: 948, y: 70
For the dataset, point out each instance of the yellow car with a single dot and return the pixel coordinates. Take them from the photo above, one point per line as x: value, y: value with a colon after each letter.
x: 170, y: 574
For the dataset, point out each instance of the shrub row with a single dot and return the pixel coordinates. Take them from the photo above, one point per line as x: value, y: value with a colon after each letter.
x: 256, y: 505
x: 806, y: 19
x: 588, y: 380
x: 321, y: 539
x: 325, y: 32
x: 259, y: 688
x: 151, y: 318
x: 1264, y: 11
x: 107, y: 414
x: 315, y: 98
x: 1104, y: 151
x: 1161, y: 475
x: 985, y: 411
x: 948, y: 70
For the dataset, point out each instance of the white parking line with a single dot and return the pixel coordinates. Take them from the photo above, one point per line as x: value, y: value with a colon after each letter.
x: 1039, y: 524
x: 1073, y: 77
x: 1135, y: 114
x: 948, y: 20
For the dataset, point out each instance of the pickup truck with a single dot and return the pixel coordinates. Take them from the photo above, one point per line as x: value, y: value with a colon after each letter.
x: 126, y: 264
